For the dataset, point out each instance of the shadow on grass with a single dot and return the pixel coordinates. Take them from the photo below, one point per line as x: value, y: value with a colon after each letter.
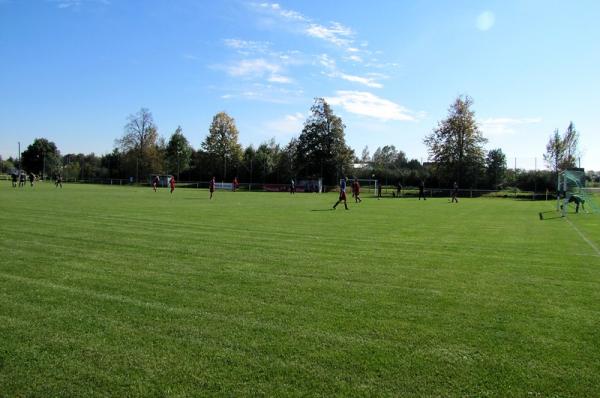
x: 323, y: 210
x: 549, y: 215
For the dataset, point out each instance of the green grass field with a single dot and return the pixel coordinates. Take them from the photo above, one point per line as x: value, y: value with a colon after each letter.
x: 119, y: 291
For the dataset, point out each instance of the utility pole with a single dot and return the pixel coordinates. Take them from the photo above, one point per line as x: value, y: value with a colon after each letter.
x: 178, y: 152
x: 19, y: 157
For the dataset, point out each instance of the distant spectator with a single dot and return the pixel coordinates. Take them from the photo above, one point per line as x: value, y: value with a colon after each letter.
x: 455, y: 192
x: 422, y: 190
x: 211, y: 187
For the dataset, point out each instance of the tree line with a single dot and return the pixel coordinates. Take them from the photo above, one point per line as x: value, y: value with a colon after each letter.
x: 456, y: 154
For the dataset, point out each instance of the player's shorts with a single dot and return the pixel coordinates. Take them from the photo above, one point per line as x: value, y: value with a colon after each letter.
x: 342, y: 195
x: 211, y: 189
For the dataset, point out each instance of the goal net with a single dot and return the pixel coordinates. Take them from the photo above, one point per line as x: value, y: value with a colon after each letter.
x: 572, y: 191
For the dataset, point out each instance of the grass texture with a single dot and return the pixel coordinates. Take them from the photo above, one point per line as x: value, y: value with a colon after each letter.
x: 121, y: 291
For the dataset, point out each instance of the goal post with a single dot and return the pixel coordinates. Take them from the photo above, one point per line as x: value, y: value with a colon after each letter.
x: 571, y: 187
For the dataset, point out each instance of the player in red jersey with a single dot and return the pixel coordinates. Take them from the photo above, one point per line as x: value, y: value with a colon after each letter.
x: 235, y: 184
x: 172, y: 183
x: 211, y: 187
x: 356, y: 191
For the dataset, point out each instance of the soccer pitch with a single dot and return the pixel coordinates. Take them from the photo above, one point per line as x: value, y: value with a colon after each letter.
x: 120, y: 291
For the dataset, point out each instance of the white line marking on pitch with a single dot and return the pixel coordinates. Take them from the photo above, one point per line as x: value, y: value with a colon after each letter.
x: 589, y: 242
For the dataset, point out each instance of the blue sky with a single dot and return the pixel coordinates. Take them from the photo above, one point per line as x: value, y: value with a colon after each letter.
x: 73, y: 70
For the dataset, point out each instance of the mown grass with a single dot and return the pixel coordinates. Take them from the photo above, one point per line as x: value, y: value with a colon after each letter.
x: 119, y: 291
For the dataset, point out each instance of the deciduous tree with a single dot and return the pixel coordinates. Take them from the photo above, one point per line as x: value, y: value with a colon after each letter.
x: 178, y: 152
x: 456, y: 145
x: 221, y: 143
x: 495, y: 167
x: 41, y: 157
x: 322, y: 149
x: 562, y: 151
x: 140, y: 141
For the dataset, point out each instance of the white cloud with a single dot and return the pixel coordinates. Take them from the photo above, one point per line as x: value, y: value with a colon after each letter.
x: 271, y: 93
x: 355, y: 58
x: 368, y: 104
x: 279, y: 79
x: 330, y: 64
x: 64, y: 4
x: 287, y: 125
x: 369, y: 82
x: 287, y: 14
x: 258, y: 68
x: 247, y: 46
x: 253, y: 67
x: 336, y: 33
x: 504, y: 125
x: 485, y: 20
x: 327, y: 61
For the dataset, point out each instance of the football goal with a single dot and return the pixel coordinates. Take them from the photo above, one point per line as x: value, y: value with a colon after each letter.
x: 572, y: 190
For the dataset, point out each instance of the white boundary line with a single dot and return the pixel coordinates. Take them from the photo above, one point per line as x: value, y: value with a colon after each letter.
x: 589, y: 242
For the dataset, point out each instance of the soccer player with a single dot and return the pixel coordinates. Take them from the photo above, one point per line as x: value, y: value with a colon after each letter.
x: 235, y: 184
x: 342, y: 197
x: 422, y: 190
x: 399, y: 189
x: 356, y: 191
x: 14, y: 178
x: 455, y: 192
x: 58, y: 181
x: 378, y: 190
x: 155, y: 182
x: 211, y: 187
x: 292, y: 187
x: 578, y: 200
x: 22, y: 179
x: 31, y: 178
x: 172, y: 183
